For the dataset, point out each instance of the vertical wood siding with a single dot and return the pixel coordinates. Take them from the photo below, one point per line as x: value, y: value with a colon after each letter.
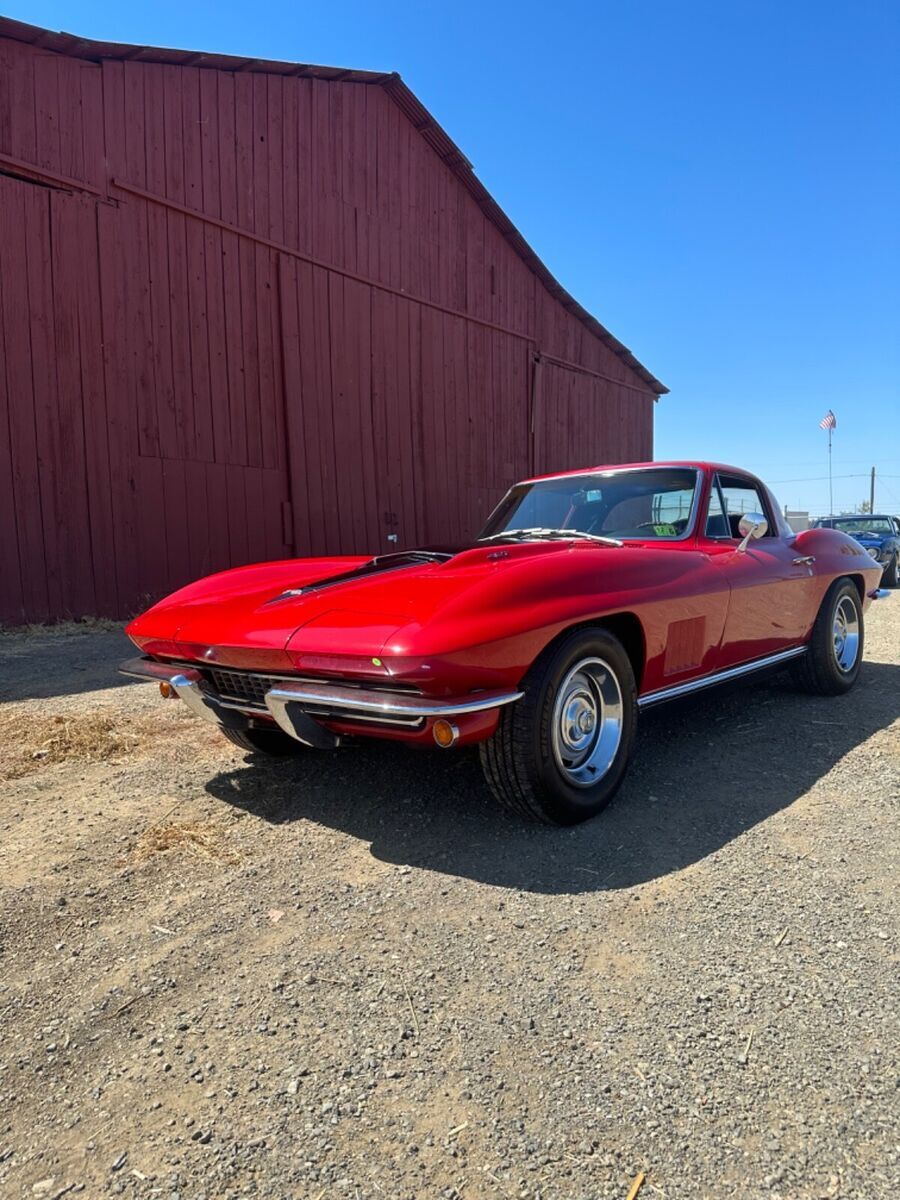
x: 182, y: 390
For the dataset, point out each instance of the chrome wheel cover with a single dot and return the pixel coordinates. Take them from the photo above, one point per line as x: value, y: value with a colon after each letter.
x: 586, y: 726
x: 845, y: 632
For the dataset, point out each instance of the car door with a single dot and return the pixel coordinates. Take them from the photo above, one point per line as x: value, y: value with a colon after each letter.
x: 770, y: 584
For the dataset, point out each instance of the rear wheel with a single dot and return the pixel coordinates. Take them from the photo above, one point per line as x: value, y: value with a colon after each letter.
x: 892, y: 571
x: 264, y: 741
x: 834, y: 656
x: 560, y: 753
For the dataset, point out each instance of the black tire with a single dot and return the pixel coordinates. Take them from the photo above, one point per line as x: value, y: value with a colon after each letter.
x: 819, y: 670
x: 519, y: 761
x: 891, y: 575
x: 264, y: 741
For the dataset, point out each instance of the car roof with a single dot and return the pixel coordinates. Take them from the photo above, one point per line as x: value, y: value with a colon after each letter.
x: 723, y: 468
x: 859, y: 517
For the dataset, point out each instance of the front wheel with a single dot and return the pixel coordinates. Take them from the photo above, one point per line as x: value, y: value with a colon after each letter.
x: 560, y: 753
x: 834, y: 655
x: 264, y: 741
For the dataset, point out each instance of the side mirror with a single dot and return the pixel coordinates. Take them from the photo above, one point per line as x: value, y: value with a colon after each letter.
x: 751, y: 525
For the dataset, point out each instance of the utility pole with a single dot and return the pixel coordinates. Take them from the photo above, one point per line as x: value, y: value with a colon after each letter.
x: 872, y: 492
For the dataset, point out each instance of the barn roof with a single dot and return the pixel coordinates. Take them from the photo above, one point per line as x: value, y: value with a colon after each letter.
x: 406, y: 100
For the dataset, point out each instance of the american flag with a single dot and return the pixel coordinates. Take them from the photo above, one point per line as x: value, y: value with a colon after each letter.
x: 829, y: 421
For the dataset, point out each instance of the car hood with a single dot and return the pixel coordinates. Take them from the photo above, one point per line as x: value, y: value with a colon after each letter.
x: 272, y: 613
x: 361, y: 600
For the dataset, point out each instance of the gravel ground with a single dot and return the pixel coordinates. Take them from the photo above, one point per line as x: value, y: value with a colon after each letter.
x: 350, y: 976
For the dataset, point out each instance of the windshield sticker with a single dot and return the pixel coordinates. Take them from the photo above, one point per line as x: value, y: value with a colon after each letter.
x: 664, y: 530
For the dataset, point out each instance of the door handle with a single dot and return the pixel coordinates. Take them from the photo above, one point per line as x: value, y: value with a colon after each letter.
x: 804, y: 561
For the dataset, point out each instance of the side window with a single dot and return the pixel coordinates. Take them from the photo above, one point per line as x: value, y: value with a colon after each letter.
x: 740, y: 496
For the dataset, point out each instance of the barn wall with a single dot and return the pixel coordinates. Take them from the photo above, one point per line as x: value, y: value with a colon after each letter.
x: 247, y: 316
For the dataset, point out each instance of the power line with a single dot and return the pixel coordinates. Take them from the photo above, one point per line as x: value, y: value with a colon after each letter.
x: 850, y: 462
x: 820, y: 478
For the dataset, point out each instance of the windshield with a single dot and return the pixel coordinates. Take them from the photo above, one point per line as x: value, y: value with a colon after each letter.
x: 861, y: 524
x: 651, y: 503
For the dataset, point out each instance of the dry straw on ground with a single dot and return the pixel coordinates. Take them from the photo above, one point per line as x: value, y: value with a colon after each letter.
x: 202, y: 839
x: 29, y: 742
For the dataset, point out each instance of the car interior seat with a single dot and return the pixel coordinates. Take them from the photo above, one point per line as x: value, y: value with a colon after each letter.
x: 734, y: 520
x: 589, y: 516
x: 717, y: 526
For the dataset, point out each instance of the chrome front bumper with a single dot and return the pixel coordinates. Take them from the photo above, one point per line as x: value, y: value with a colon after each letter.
x: 299, y: 707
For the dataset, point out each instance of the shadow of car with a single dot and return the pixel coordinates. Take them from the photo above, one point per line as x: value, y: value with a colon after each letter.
x: 707, y: 770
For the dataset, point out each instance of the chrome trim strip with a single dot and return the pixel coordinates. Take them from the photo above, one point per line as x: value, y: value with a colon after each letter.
x: 242, y: 706
x: 613, y: 470
x: 298, y: 677
x: 191, y: 692
x: 352, y: 703
x: 146, y: 668
x: 298, y: 724
x: 321, y: 712
x: 386, y: 704
x: 413, y: 723
x: 186, y: 682
x: 696, y: 685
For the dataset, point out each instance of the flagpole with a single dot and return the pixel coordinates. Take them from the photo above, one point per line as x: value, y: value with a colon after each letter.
x: 830, y: 492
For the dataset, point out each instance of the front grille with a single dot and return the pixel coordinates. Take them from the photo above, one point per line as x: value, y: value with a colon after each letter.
x: 241, y: 686
x: 249, y: 689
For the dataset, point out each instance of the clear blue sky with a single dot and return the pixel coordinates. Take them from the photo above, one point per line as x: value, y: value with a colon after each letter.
x: 718, y: 182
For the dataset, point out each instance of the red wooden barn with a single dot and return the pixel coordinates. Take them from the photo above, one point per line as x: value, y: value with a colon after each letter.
x: 254, y: 309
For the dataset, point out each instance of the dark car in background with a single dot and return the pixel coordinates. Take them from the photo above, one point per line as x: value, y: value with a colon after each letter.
x: 878, y: 534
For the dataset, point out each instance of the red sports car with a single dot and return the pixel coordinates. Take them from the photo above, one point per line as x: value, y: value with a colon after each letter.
x: 587, y: 597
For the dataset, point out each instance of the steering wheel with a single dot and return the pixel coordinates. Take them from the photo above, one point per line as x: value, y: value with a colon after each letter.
x: 679, y: 526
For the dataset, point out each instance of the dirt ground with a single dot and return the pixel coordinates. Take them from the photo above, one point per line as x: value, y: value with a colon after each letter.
x: 350, y: 976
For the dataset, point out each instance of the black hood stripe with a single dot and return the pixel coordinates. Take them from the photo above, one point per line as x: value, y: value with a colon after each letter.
x: 375, y: 566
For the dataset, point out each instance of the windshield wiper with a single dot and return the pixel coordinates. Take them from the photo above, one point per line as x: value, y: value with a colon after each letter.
x: 580, y: 533
x: 509, y: 534
x: 540, y: 532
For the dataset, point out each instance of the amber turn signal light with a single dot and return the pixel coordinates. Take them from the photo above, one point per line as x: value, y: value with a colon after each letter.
x: 166, y: 690
x: 445, y: 734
